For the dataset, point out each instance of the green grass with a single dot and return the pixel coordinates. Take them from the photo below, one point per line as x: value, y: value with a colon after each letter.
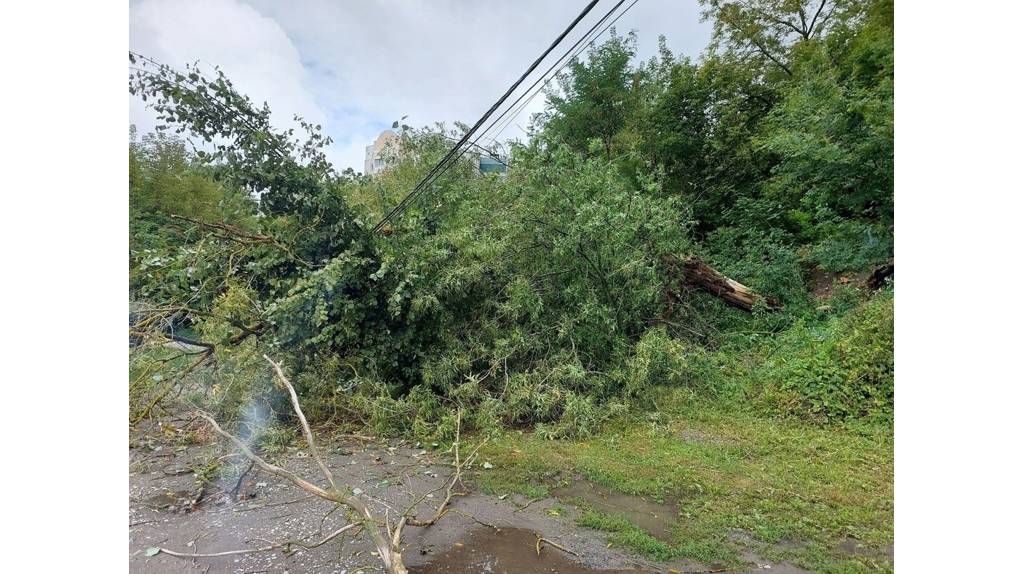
x: 625, y: 533
x: 794, y: 491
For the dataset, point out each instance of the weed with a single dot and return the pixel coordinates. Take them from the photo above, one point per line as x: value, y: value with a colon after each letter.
x: 207, y: 471
x: 628, y: 535
x: 840, y: 370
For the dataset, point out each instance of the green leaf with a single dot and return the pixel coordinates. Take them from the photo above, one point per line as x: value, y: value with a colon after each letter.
x: 152, y: 551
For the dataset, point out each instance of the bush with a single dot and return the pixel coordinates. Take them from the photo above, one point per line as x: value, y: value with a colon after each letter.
x: 852, y: 246
x: 657, y: 360
x: 840, y: 370
x: 521, y: 304
x: 767, y: 262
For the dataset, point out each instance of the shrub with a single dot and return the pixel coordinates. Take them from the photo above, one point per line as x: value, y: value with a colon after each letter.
x: 852, y: 246
x: 840, y: 370
x: 657, y: 359
x: 536, y: 299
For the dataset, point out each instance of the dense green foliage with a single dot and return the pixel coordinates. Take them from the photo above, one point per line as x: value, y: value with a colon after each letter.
x: 838, y: 370
x: 541, y: 298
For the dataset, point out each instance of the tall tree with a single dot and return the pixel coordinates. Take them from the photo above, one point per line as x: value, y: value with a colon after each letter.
x: 767, y: 29
x: 833, y: 131
x: 593, y: 99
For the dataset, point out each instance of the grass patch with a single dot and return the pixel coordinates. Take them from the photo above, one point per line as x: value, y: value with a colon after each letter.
x: 626, y: 534
x: 779, y: 481
x: 529, y: 478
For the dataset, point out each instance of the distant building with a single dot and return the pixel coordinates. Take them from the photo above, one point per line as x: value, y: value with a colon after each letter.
x: 382, y: 153
x: 386, y: 150
x: 488, y: 164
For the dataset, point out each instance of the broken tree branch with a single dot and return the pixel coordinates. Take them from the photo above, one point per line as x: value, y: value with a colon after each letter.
x: 387, y: 545
x: 452, y: 480
x: 694, y: 271
x: 271, y: 468
x: 238, y: 484
x: 541, y: 539
x: 239, y: 235
x: 302, y: 419
x: 388, y: 541
x: 170, y: 386
x: 391, y: 558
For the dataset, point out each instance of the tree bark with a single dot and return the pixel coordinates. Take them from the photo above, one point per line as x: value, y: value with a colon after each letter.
x: 694, y: 271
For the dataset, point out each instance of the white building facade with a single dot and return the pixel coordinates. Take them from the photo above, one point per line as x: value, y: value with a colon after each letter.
x: 382, y: 153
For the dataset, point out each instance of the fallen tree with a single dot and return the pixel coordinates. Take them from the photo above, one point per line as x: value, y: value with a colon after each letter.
x: 693, y: 271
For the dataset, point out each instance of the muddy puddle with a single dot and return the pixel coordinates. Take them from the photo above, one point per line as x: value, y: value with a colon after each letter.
x: 854, y: 547
x: 506, y: 551
x: 654, y: 517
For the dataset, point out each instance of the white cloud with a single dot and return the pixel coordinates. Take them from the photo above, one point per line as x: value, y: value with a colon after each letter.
x: 357, y: 66
x: 252, y: 49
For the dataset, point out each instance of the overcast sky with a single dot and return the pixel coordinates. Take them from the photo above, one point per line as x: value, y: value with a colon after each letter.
x: 356, y: 66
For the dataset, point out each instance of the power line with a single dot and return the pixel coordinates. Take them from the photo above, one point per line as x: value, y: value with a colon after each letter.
x: 489, y: 153
x: 590, y: 44
x: 575, y: 50
x: 448, y: 157
x: 542, y: 77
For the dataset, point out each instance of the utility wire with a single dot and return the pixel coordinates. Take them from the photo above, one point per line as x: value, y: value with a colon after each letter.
x: 558, y: 64
x: 490, y: 153
x: 518, y: 111
x: 398, y: 209
x: 574, y: 51
x: 450, y: 157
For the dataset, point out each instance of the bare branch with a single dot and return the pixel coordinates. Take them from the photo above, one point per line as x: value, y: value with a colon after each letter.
x: 302, y: 419
x: 767, y: 53
x: 389, y: 554
x: 241, y: 236
x: 541, y: 539
x: 233, y: 230
x: 454, y: 479
x: 760, y: 46
x: 810, y: 29
x: 782, y: 22
x: 271, y: 468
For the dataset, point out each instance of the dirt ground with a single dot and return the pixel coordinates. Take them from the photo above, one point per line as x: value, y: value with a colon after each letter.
x: 480, y: 533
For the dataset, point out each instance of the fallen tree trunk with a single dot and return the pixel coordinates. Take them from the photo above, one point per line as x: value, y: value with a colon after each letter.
x: 695, y: 272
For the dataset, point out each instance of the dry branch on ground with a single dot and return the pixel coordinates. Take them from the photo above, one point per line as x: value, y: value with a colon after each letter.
x: 385, y: 537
